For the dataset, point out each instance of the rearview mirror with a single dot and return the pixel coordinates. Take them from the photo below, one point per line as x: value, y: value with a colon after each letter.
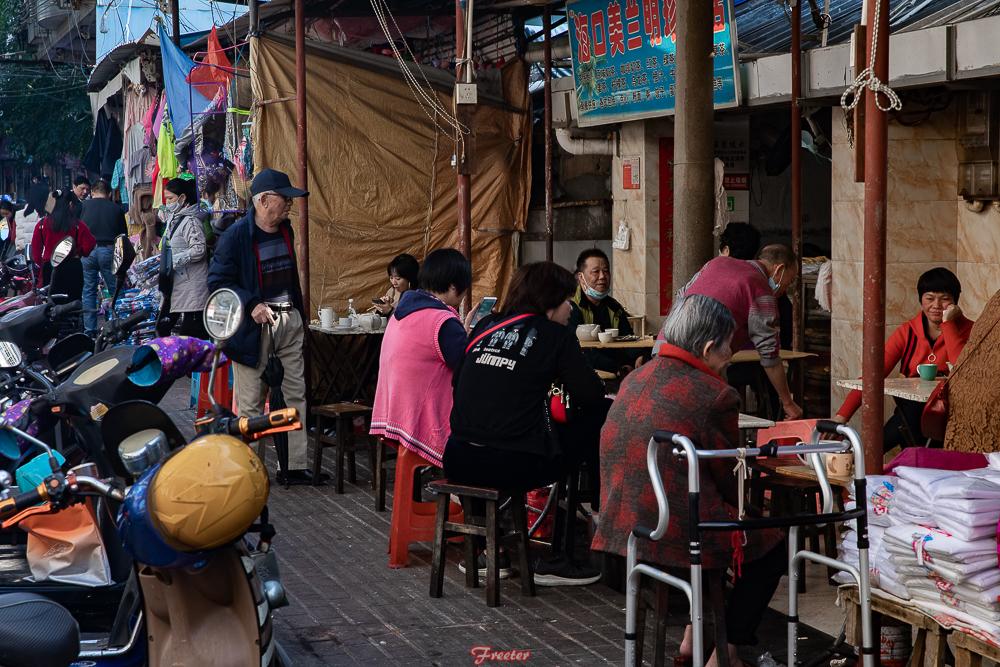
x: 10, y: 355
x: 62, y: 250
x: 223, y: 314
x: 124, y: 255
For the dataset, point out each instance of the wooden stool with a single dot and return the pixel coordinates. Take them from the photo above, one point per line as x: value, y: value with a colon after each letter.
x: 969, y: 650
x: 475, y: 526
x: 344, y: 440
x: 655, y: 595
x: 930, y: 643
x: 380, y: 472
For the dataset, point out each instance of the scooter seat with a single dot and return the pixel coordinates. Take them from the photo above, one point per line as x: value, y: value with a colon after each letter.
x: 36, y: 632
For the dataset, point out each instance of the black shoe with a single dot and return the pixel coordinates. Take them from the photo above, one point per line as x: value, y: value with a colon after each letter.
x: 563, y: 572
x: 298, y: 477
x: 503, y: 565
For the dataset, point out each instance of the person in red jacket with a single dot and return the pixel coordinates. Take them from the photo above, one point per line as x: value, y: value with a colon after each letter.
x: 62, y: 222
x: 935, y: 336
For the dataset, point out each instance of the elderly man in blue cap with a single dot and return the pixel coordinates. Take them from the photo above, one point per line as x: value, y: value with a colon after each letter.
x: 255, y: 257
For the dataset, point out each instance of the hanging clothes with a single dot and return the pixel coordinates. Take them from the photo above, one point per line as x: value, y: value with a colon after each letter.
x: 166, y: 161
x: 118, y: 181
x: 105, y: 147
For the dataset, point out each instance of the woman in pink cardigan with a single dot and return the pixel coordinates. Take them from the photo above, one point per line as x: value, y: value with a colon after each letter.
x: 424, y: 342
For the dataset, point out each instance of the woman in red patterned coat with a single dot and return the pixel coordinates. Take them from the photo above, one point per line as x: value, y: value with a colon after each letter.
x: 681, y: 390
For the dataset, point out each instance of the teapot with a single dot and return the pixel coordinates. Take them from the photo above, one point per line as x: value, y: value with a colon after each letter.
x: 587, y: 332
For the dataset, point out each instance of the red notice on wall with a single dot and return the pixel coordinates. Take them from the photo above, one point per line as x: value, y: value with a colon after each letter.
x: 630, y: 173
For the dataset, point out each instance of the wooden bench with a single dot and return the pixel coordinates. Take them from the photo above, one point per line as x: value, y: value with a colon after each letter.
x: 929, y: 643
x: 970, y: 650
x: 342, y: 415
x: 478, y: 526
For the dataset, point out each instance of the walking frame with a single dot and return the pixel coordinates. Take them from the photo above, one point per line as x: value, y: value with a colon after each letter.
x: 684, y: 447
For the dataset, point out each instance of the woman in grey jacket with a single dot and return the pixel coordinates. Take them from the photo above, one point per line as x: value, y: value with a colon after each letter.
x: 186, y: 247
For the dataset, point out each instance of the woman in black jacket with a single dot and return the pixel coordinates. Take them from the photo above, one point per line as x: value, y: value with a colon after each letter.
x: 502, y: 431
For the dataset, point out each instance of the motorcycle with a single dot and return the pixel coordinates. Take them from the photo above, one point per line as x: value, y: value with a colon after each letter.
x: 201, y: 592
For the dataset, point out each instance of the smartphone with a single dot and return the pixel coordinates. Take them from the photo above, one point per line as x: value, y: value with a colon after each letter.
x: 484, y: 308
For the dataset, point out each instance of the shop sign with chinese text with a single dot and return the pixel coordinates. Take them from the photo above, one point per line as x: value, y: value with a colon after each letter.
x: 625, y: 58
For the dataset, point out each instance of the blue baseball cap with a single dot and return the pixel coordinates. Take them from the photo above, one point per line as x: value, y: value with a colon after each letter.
x: 272, y: 180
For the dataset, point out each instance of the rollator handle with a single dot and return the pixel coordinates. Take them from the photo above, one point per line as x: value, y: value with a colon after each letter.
x: 664, y: 436
x: 642, y: 532
x: 828, y: 426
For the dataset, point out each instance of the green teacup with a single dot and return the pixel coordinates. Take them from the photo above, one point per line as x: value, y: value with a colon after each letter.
x: 927, y: 371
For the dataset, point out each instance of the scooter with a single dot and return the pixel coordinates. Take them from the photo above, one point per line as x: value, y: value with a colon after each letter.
x: 198, y: 598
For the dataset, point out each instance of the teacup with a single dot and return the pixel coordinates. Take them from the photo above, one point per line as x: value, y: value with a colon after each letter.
x: 613, y: 332
x: 345, y: 322
x: 841, y: 465
x: 605, y: 337
x: 927, y: 371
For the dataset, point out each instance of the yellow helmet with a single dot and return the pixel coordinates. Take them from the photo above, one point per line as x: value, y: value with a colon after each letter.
x: 208, y: 493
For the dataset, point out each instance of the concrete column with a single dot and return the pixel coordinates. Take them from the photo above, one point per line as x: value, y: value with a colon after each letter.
x: 694, y: 177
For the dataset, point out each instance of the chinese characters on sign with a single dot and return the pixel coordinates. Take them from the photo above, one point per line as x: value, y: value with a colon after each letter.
x: 624, y: 58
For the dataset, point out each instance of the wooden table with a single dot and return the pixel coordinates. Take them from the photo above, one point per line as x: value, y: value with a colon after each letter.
x: 641, y: 344
x: 748, y: 356
x: 344, y: 364
x: 911, y: 389
x: 750, y: 422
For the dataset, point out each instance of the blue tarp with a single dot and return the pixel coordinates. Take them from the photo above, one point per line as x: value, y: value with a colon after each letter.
x: 182, y: 99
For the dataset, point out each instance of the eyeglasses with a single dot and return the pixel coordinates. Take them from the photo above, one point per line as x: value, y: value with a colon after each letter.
x: 286, y: 199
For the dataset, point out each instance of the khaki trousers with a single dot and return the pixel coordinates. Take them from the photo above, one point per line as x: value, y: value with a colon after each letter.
x: 251, y: 391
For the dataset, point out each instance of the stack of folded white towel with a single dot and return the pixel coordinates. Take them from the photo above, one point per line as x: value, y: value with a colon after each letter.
x: 933, y: 540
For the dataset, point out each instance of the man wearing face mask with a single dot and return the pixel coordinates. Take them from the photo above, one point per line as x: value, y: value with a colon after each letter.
x: 749, y: 289
x: 592, y: 304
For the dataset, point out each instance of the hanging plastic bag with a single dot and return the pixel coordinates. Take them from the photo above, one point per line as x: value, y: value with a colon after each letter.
x: 67, y: 547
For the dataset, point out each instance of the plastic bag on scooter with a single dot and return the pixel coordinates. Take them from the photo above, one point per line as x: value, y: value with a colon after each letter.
x: 67, y: 547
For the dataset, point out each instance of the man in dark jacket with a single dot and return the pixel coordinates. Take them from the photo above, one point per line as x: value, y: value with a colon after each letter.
x: 255, y: 258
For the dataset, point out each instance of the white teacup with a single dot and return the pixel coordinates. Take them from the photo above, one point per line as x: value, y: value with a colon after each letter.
x: 613, y: 332
x: 345, y: 322
x: 605, y: 337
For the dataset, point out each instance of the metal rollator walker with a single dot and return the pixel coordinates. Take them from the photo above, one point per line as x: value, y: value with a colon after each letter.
x: 811, y: 452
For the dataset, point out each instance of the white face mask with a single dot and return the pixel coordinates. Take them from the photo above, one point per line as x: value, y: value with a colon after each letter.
x: 175, y: 206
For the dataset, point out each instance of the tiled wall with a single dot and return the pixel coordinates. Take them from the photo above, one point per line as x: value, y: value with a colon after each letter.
x: 635, y: 272
x: 928, y: 226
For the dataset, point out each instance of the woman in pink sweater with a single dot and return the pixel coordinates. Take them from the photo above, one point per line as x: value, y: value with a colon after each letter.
x: 424, y: 342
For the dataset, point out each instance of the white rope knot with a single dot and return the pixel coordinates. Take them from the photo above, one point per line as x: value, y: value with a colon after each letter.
x: 867, y: 80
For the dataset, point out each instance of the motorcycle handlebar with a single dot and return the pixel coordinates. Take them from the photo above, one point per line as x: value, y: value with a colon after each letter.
x: 66, y: 309
x: 250, y: 426
x: 23, y: 501
x: 134, y: 320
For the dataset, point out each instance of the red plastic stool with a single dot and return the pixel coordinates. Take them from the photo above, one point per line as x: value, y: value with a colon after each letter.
x: 788, y: 433
x: 411, y: 521
x: 223, y: 389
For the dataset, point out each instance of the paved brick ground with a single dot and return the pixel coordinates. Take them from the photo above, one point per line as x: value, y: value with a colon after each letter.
x: 347, y: 607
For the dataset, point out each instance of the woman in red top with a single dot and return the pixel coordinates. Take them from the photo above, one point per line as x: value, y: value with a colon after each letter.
x: 935, y: 336
x: 62, y: 222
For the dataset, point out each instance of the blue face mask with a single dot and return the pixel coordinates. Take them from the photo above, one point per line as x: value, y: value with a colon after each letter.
x: 774, y: 285
x: 593, y: 293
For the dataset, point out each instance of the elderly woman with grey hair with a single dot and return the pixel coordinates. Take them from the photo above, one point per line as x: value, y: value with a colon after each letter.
x: 681, y: 390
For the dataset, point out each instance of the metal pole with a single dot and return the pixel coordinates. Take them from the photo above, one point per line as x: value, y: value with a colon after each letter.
x: 175, y: 18
x: 302, y: 233
x: 254, y: 18
x: 796, y: 141
x: 547, y: 27
x: 876, y: 165
x: 694, y: 173
x: 463, y: 168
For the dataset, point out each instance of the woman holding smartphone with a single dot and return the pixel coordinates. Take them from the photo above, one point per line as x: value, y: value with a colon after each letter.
x: 403, y: 271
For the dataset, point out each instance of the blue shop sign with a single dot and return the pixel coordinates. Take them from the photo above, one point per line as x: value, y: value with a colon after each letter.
x: 625, y: 58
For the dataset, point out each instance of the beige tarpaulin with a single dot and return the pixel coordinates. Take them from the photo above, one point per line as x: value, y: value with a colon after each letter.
x: 380, y: 175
